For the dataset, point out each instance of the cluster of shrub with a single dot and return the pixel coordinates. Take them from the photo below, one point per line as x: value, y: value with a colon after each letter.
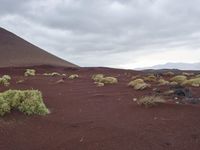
x: 101, y: 80
x: 28, y: 101
x: 186, y: 79
x: 32, y: 72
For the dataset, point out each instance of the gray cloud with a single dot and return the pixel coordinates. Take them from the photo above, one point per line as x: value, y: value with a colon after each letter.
x: 106, y: 32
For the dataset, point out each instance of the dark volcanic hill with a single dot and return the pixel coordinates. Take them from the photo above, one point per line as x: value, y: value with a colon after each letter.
x: 15, y: 51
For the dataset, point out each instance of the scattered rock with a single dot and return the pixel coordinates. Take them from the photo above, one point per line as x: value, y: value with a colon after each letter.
x: 192, y: 100
x: 99, y: 84
x: 134, y: 99
x: 60, y: 81
x: 184, y: 92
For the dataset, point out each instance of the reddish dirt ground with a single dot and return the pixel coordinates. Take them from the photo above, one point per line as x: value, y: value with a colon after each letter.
x: 86, y: 117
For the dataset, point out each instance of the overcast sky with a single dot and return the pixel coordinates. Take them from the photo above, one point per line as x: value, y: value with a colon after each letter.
x: 113, y: 33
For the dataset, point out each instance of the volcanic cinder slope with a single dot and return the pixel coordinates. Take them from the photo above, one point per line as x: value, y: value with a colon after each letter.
x: 14, y: 51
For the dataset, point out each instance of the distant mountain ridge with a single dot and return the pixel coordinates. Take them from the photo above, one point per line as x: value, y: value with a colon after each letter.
x: 16, y: 52
x: 181, y: 66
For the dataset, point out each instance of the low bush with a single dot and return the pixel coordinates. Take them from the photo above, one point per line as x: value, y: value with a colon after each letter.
x: 192, y: 82
x: 28, y: 101
x: 149, y: 101
x: 150, y: 78
x: 30, y: 72
x: 135, y: 77
x: 179, y: 79
x: 163, y: 82
x: 7, y: 77
x: 197, y: 76
x: 109, y: 80
x: 97, y: 77
x: 169, y: 73
x: 4, y: 106
x: 141, y: 86
x: 135, y: 82
x: 187, y: 74
x: 138, y: 84
x: 73, y: 76
x: 173, y: 83
x: 5, y: 80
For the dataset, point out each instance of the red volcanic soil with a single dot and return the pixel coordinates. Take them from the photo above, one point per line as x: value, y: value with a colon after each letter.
x: 15, y: 51
x: 86, y: 117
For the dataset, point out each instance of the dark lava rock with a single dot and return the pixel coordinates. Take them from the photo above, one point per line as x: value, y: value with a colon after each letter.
x: 182, y: 91
x: 192, y: 100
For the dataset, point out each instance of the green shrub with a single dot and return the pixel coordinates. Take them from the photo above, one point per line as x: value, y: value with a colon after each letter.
x: 5, y: 80
x: 187, y: 74
x: 97, y: 77
x: 100, y: 80
x: 138, y: 84
x: 7, y: 77
x: 29, y: 72
x: 135, y: 77
x: 179, y: 79
x: 109, y: 80
x: 149, y: 101
x: 197, y: 76
x: 150, y: 78
x: 169, y: 73
x: 33, y: 103
x: 135, y: 82
x: 173, y: 83
x: 141, y: 86
x: 192, y: 82
x: 4, y: 106
x: 73, y: 76
x: 29, y: 102
x: 163, y: 82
